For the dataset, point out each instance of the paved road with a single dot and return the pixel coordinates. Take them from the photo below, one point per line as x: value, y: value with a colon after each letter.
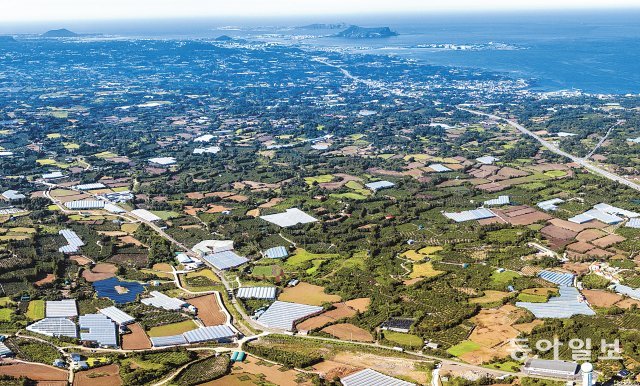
x: 553, y: 148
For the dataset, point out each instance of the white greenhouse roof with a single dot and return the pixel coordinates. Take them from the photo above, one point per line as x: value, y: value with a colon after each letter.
x: 289, y: 218
x: 564, y: 306
x: 164, y: 161
x: 626, y: 290
x: 4, y: 350
x: 13, y: 195
x: 207, y: 150
x: 276, y: 253
x: 563, y: 279
x: 61, y: 308
x: 117, y: 315
x: 73, y: 241
x: 95, y: 185
x: 84, y: 204
x: 283, y: 315
x: 52, y: 175
x: 615, y: 210
x: 98, y: 328
x: 375, y: 186
x: 440, y: 168
x: 213, y: 246
x: 225, y: 260
x: 204, y: 138
x: 634, y: 223
x: 550, y: 204
x: 145, y: 215
x: 501, y: 200
x: 160, y: 300
x: 204, y: 334
x: 54, y: 327
x: 487, y: 160
x: 369, y: 377
x: 256, y: 293
x: 468, y: 215
x: 163, y: 341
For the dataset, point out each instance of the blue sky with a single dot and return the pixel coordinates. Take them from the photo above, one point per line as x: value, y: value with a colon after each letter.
x: 52, y: 10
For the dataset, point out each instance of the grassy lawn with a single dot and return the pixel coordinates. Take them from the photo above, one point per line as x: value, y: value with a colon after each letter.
x: 402, y: 339
x: 172, y: 329
x: 413, y: 255
x: 504, y: 277
x: 424, y: 270
x: 53, y: 135
x: 5, y: 301
x: 350, y: 196
x: 206, y: 273
x: 463, y: 348
x: 35, y: 311
x: 70, y: 145
x: 489, y: 297
x: 301, y: 256
x: 319, y: 179
x: 129, y: 228
x: 5, y: 314
x: 512, y: 366
x: 555, y: 173
x: 430, y: 250
x: 263, y: 270
x: 105, y: 155
x: 532, y: 298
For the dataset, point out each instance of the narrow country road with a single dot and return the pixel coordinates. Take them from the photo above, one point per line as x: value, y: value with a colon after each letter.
x: 553, y: 148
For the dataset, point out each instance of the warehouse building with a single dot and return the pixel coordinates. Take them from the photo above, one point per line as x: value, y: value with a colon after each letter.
x: 552, y: 368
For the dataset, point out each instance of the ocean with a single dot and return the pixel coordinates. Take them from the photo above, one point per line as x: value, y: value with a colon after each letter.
x: 595, y: 52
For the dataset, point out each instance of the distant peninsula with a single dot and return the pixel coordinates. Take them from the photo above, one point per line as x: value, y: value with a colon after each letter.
x: 59, y: 33
x: 324, y: 26
x: 356, y: 32
x: 7, y: 39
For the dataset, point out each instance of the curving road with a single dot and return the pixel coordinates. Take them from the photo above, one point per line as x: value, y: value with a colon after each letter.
x: 554, y: 149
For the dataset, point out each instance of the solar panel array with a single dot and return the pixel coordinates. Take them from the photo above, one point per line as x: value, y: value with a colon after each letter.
x: 501, y: 200
x: 225, y: 260
x: 84, y: 204
x: 204, y: 334
x: 440, y: 168
x: 283, y: 315
x: 107, y: 289
x: 73, y: 241
x: 256, y: 293
x: 61, y: 308
x: 276, y: 253
x: 98, y: 328
x: 380, y: 185
x: 117, y: 315
x: 468, y: 215
x: 160, y: 300
x: 163, y: 341
x: 289, y: 218
x: 54, y: 327
x: 562, y: 279
x: 564, y: 306
x: 369, y: 377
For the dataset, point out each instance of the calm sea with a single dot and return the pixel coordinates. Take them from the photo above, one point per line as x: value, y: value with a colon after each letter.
x: 597, y: 52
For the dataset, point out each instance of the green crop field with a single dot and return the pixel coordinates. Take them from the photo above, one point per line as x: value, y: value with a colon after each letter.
x: 35, y: 311
x: 463, y: 348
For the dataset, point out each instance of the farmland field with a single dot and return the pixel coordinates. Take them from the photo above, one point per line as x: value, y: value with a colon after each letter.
x: 209, y: 311
x: 137, y: 339
x: 252, y: 372
x: 424, y: 270
x: 306, y: 293
x: 35, y: 311
x: 34, y: 371
x: 347, y: 331
x: 463, y: 348
x: 203, y: 371
x: 101, y: 376
x: 172, y: 329
x: 402, y: 339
